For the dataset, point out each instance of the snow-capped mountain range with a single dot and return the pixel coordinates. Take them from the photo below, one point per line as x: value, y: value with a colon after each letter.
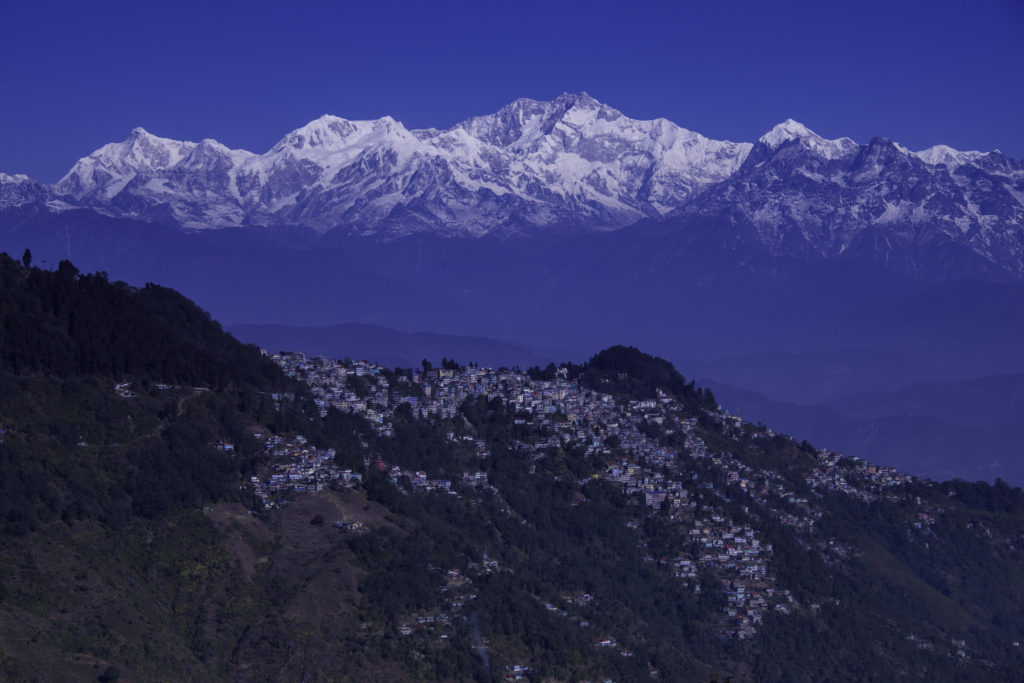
x: 569, y: 165
x: 800, y: 195
x: 532, y: 165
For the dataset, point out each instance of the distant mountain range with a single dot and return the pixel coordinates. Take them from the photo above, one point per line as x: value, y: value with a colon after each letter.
x: 969, y: 429
x: 575, y: 165
x: 533, y: 166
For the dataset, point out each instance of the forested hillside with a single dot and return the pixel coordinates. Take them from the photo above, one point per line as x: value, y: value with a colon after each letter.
x: 176, y: 505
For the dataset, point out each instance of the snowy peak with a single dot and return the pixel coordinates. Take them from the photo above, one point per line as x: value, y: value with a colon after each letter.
x: 210, y: 150
x: 951, y: 158
x: 786, y: 131
x: 582, y: 107
x: 790, y: 130
x: 524, y: 122
x: 106, y: 171
x: 18, y: 189
x: 330, y: 133
x: 142, y: 149
x: 16, y: 179
x: 577, y: 99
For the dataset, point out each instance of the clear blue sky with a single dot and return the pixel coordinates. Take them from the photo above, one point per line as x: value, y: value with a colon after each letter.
x: 75, y: 75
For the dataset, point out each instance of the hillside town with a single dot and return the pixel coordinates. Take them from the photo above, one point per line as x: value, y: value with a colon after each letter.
x: 653, y: 450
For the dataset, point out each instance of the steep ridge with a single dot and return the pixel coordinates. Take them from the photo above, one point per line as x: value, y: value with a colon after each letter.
x: 939, y: 214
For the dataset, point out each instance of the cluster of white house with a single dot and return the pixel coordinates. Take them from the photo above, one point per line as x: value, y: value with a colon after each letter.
x: 664, y: 480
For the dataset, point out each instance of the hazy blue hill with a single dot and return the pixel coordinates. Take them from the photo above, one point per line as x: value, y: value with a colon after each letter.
x: 989, y: 402
x: 246, y: 276
x: 924, y: 445
x: 815, y: 377
x: 690, y: 293
x: 393, y: 348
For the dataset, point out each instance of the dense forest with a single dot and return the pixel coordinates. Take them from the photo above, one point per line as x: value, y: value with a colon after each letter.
x: 65, y: 323
x: 132, y: 545
x: 73, y: 448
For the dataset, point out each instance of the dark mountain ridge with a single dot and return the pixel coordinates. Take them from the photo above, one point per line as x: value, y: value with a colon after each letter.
x: 940, y: 444
x: 991, y: 401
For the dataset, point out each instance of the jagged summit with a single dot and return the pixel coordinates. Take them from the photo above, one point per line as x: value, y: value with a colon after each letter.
x: 524, y: 121
x: 106, y: 172
x: 19, y: 189
x: 582, y: 98
x: 938, y: 211
x: 786, y: 131
x: 790, y: 130
x: 953, y: 158
x: 333, y: 132
x: 14, y: 178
